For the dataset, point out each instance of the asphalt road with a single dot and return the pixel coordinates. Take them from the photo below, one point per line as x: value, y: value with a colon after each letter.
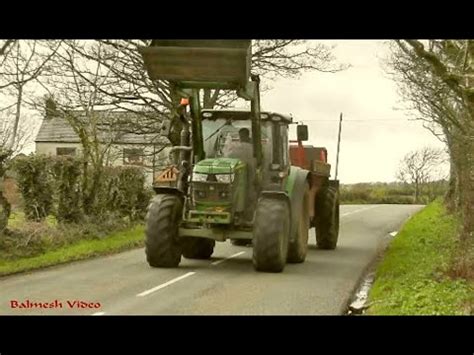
x: 227, y: 284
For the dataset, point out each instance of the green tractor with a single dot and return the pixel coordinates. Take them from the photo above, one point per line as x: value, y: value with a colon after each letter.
x: 233, y: 176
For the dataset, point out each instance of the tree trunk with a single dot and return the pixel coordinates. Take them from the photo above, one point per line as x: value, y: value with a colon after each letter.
x: 4, y: 204
x: 19, y: 100
x: 94, y: 188
x: 5, y: 209
x: 417, y: 191
x: 452, y: 192
x: 85, y: 182
x: 466, y: 180
x: 459, y: 165
x: 91, y: 191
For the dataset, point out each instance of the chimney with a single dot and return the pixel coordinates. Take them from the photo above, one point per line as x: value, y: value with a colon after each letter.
x: 50, y: 108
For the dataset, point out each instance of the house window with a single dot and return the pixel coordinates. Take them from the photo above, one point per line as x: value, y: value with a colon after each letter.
x: 66, y: 151
x: 133, y: 156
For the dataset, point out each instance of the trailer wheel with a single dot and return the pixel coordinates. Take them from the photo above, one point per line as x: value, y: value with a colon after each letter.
x: 270, y: 235
x: 327, y: 217
x: 298, y: 249
x: 162, y: 246
x: 197, y: 248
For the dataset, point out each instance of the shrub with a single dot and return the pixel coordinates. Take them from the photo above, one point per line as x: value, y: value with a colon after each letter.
x: 124, y: 192
x: 35, y: 185
x: 52, y: 185
x: 66, y: 172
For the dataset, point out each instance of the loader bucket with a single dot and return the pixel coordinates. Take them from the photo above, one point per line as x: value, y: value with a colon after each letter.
x: 199, y: 63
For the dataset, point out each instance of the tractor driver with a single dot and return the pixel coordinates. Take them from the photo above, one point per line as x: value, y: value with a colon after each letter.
x: 244, y: 135
x: 243, y: 150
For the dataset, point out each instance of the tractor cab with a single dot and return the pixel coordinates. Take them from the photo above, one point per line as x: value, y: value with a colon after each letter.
x: 228, y: 132
x: 230, y: 164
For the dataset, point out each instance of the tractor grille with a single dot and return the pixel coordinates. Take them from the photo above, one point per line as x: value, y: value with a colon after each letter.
x: 211, y: 192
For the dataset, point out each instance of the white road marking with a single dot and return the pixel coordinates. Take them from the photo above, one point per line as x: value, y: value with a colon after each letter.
x: 393, y: 234
x: 230, y: 257
x: 98, y: 314
x: 159, y: 287
x: 359, y: 210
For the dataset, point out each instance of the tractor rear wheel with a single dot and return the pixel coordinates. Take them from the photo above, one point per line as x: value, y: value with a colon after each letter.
x: 327, y: 217
x: 298, y: 249
x: 197, y: 248
x: 162, y: 247
x: 270, y: 235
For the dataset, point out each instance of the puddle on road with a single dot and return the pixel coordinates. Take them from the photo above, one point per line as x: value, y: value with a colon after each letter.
x: 360, y: 302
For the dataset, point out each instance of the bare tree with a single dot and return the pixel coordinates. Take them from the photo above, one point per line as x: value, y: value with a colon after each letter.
x: 132, y: 90
x: 437, y: 78
x: 7, y: 151
x: 420, y: 167
x: 10, y: 145
x: 25, y: 63
x: 21, y: 63
x: 13, y: 139
x: 429, y: 100
x: 5, y: 46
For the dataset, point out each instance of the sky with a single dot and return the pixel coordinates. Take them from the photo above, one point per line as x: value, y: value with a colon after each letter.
x: 370, y: 150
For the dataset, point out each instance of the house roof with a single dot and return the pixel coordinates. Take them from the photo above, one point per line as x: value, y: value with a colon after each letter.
x: 57, y: 129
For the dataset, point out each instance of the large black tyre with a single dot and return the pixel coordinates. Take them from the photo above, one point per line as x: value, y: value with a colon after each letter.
x: 270, y: 235
x: 298, y: 249
x: 162, y: 246
x: 197, y: 248
x: 327, y: 217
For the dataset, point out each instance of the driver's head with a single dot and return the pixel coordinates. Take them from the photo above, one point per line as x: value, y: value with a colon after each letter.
x: 244, y: 135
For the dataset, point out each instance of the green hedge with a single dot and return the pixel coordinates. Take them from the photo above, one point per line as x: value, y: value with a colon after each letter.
x: 390, y: 193
x: 35, y: 185
x: 124, y: 192
x: 66, y: 173
x: 53, y: 185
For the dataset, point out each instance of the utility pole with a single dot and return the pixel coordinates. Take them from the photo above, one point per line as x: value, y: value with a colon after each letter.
x: 338, y: 145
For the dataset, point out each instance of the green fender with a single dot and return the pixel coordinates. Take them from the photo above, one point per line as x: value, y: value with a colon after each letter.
x: 295, y: 189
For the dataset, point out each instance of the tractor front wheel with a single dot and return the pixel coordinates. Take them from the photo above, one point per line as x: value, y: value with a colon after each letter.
x: 162, y: 247
x: 270, y: 234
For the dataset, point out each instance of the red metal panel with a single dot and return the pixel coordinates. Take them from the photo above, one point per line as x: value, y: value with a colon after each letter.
x: 303, y: 157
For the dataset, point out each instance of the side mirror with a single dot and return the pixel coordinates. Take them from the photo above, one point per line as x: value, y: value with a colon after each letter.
x: 302, y: 132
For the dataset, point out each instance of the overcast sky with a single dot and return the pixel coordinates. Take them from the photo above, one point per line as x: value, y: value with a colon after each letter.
x: 370, y: 150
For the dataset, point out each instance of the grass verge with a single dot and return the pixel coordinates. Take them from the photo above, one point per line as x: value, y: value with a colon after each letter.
x: 413, y: 278
x: 82, y: 249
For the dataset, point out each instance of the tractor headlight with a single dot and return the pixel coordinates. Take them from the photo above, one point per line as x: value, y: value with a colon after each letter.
x: 199, y: 177
x: 226, y: 178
